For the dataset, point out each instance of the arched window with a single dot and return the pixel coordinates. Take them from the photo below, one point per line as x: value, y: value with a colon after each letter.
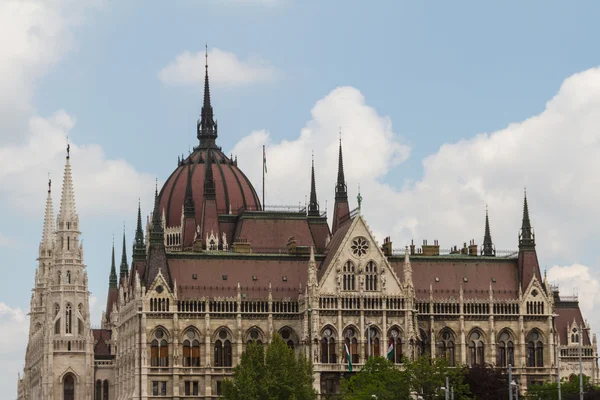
x: 56, y: 309
x: 349, y: 276
x: 159, y: 350
x: 288, y: 337
x: 68, y: 275
x: 68, y: 319
x: 223, y: 355
x: 59, y: 274
x: 423, y: 344
x: 328, y: 353
x: 373, y: 345
x: 476, y: 349
x: 69, y: 388
x: 446, y: 347
x: 254, y: 335
x: 80, y: 326
x: 57, y: 327
x: 98, y: 390
x: 105, y: 391
x: 371, y: 276
x: 506, y: 350
x: 535, y: 350
x: 395, y: 340
x: 351, y: 340
x: 191, y: 350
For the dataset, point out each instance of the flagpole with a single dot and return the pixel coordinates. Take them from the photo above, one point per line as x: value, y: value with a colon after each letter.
x: 263, y: 169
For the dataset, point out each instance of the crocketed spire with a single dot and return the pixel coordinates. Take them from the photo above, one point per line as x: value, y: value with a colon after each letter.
x: 488, y: 247
x: 340, y: 187
x: 157, y: 234
x: 68, y: 213
x: 124, y: 270
x: 112, y: 280
x: 48, y: 231
x: 313, y: 205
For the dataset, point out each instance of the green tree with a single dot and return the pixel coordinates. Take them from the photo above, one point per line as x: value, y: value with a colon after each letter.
x: 380, y: 378
x: 426, y: 376
x: 569, y: 389
x: 487, y: 382
x: 276, y: 374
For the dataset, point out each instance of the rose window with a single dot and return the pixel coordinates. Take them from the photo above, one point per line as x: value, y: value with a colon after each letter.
x: 359, y: 246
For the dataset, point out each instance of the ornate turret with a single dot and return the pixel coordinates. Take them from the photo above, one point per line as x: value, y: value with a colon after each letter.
x: 313, y: 205
x: 47, y: 242
x: 207, y: 127
x: 488, y: 247
x: 139, y: 246
x: 341, y: 208
x: 124, y: 270
x: 67, y: 219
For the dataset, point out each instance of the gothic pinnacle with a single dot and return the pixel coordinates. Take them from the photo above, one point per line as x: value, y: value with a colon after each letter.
x: 488, y: 247
x: 67, y: 213
x: 340, y: 188
x: 313, y: 206
x: 124, y: 270
x: 48, y: 231
x: 112, y: 281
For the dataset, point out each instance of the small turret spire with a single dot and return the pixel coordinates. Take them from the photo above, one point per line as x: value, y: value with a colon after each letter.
x: 139, y: 246
x: 207, y: 127
x: 112, y: 280
x: 488, y: 247
x: 527, y: 237
x: 313, y: 205
x: 67, y: 213
x: 340, y: 187
x: 48, y: 231
x: 157, y: 236
x: 124, y: 270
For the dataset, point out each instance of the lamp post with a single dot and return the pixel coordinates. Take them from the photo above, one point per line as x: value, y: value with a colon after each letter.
x: 310, y: 350
x: 580, y: 366
x: 515, y: 386
x: 510, y: 381
x: 368, y: 340
x: 558, y: 370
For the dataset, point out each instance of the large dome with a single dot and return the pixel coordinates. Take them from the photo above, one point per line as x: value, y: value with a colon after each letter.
x: 224, y: 182
x: 233, y: 190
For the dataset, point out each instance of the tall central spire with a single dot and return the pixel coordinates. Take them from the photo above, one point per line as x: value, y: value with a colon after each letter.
x: 207, y: 127
x: 313, y: 206
x: 139, y: 247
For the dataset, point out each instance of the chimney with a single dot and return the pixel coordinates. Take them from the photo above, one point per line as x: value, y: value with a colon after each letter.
x: 387, y: 246
x: 412, y: 248
x: 472, y: 248
x: 431, y: 249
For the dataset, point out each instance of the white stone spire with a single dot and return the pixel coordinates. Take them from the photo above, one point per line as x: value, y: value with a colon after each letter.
x: 67, y: 213
x: 48, y: 233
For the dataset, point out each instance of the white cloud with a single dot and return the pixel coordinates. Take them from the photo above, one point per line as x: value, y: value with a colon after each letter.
x: 225, y: 69
x: 5, y: 241
x: 579, y: 280
x: 102, y: 185
x: 37, y: 34
x: 14, y: 325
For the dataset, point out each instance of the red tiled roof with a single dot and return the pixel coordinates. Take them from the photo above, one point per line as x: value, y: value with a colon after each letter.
x: 451, y: 272
x: 274, y: 231
x: 239, y: 269
x: 334, y: 244
x: 319, y: 229
x: 566, y: 315
x: 111, y: 298
x: 101, y: 336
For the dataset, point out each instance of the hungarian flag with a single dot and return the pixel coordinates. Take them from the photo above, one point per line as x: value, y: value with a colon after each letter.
x: 264, y: 159
x: 348, y: 358
x: 390, y: 354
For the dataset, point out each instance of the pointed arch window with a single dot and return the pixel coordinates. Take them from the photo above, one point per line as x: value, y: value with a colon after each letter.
x: 98, y: 395
x: 349, y: 276
x: 371, y: 276
x: 68, y: 276
x: 476, y: 349
x: 191, y: 350
x: 395, y: 340
x: 446, y: 347
x: 56, y: 309
x: 423, y: 344
x: 351, y: 340
x: 535, y: 350
x: 68, y: 319
x: 105, y: 390
x: 506, y: 350
x: 287, y: 336
x: 223, y: 354
x: 57, y: 327
x: 373, y: 346
x: 69, y: 388
x: 328, y: 353
x: 159, y: 350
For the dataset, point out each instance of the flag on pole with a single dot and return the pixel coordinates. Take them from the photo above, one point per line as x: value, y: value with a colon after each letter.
x: 390, y: 353
x: 265, y: 159
x: 348, y: 358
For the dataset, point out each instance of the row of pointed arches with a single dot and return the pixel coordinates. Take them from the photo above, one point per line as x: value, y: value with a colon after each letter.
x: 190, y: 342
x: 349, y: 272
x: 69, y: 319
x: 395, y: 346
x: 101, y: 391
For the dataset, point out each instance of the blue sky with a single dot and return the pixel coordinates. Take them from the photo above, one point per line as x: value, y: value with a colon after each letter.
x: 444, y: 107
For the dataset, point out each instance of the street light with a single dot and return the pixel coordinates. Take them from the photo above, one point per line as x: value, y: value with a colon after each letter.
x: 369, y: 340
x: 515, y: 386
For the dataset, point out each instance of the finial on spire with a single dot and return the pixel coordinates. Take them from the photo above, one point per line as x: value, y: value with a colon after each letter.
x: 68, y: 150
x: 207, y: 127
x: 359, y: 198
x: 49, y: 183
x: 206, y: 55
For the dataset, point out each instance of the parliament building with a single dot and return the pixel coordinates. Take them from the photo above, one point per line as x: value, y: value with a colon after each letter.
x: 213, y: 269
